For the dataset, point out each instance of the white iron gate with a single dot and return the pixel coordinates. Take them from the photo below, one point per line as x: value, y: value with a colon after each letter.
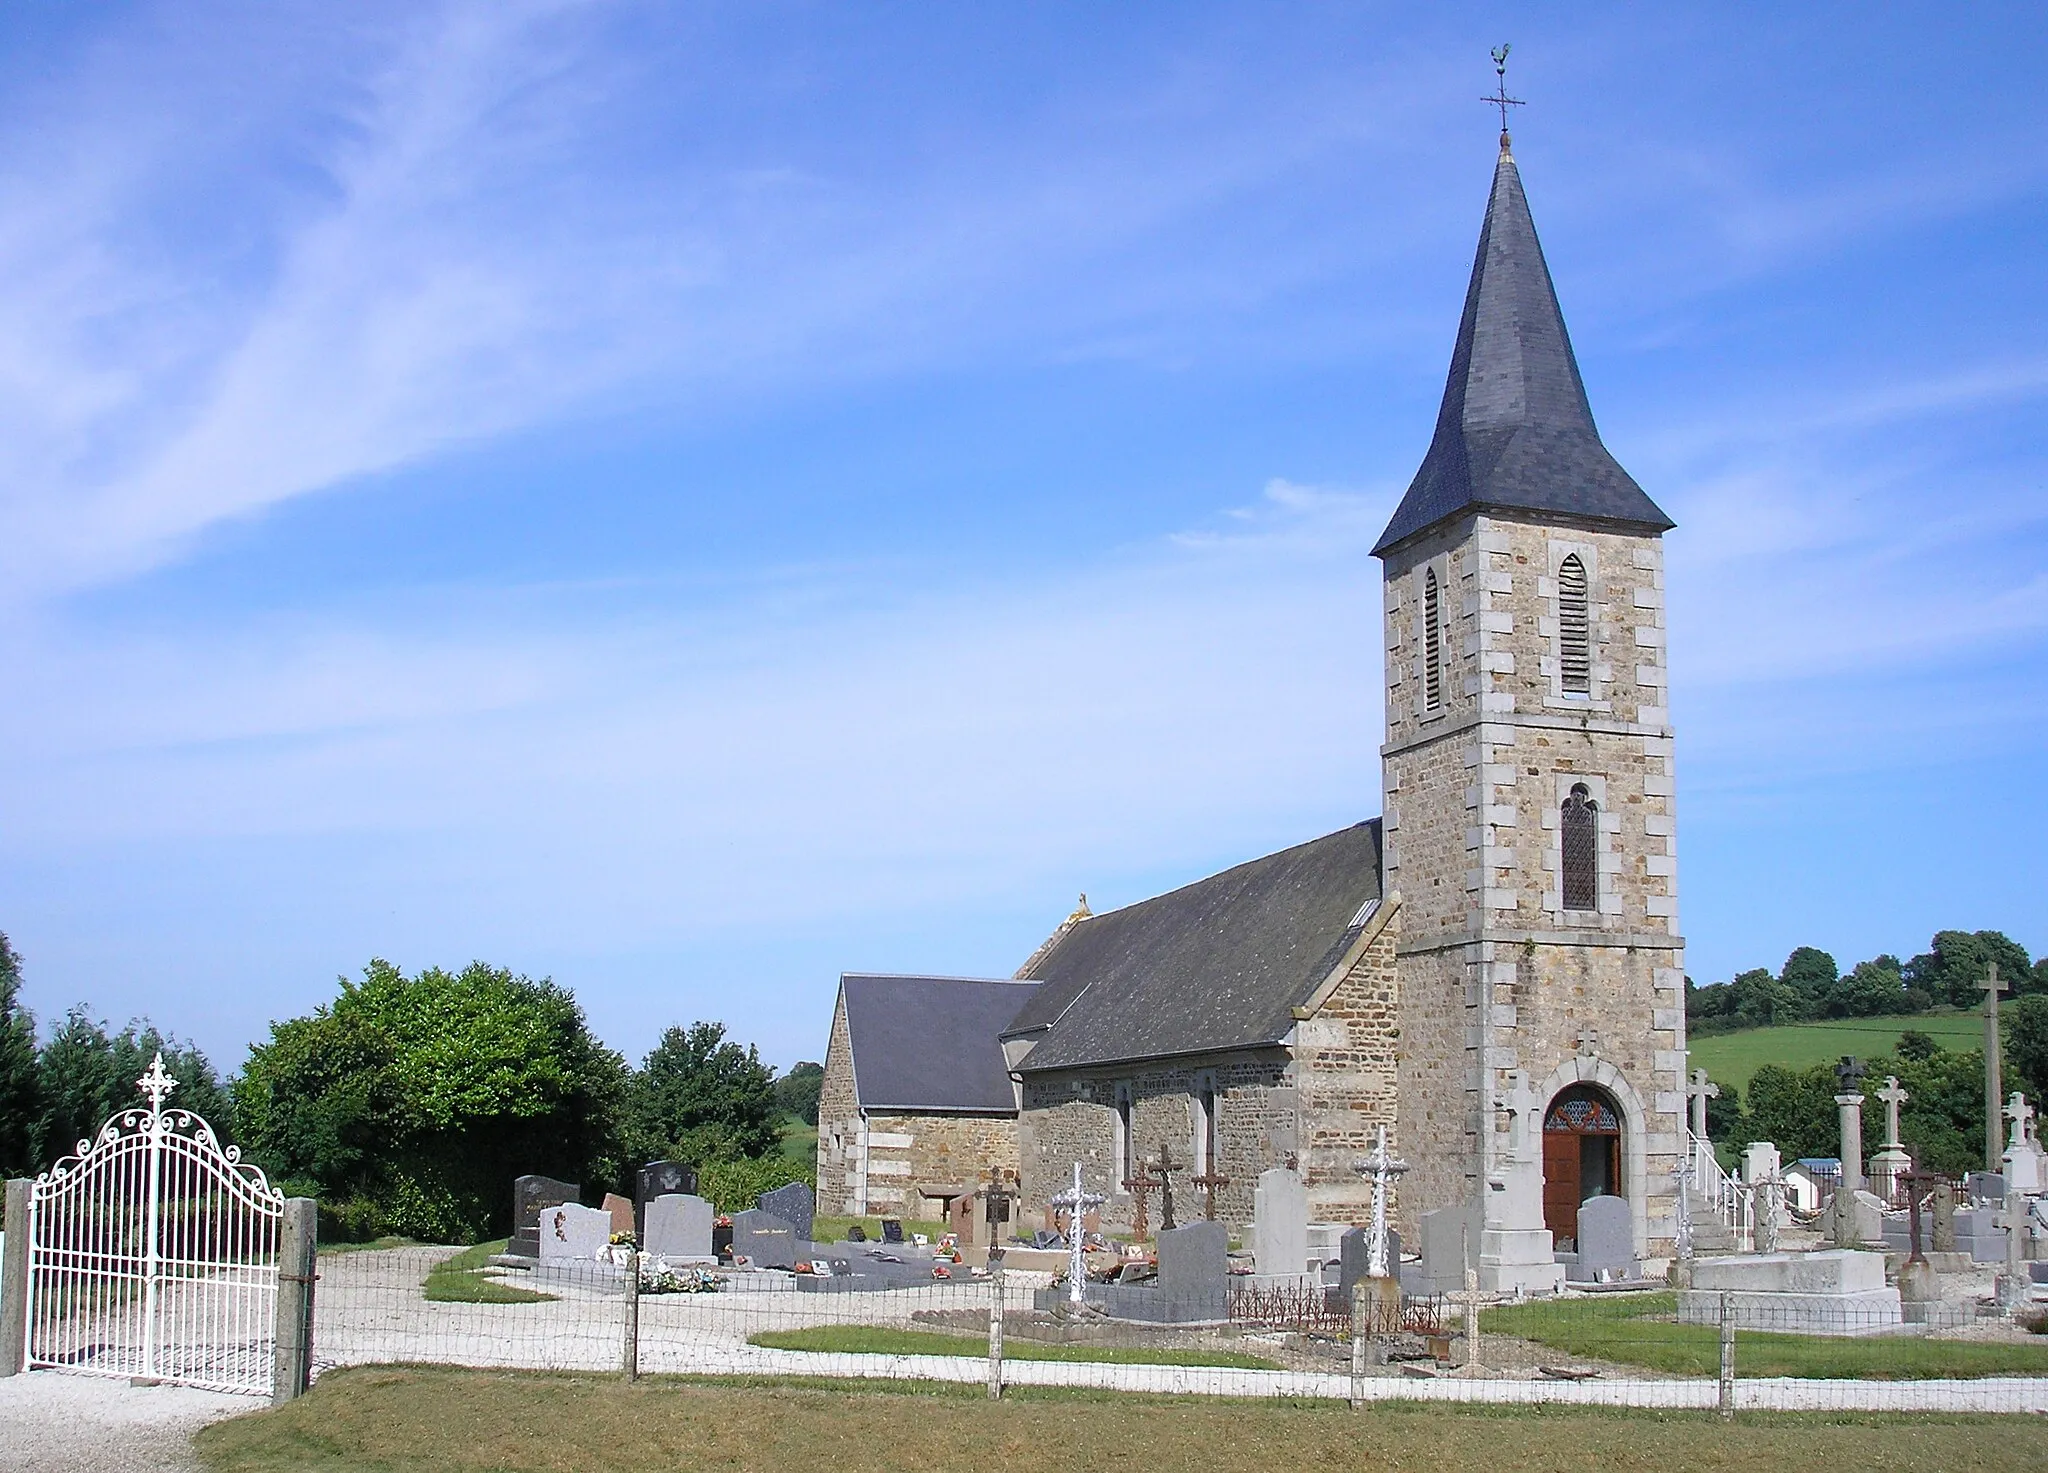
x: 153, y: 1253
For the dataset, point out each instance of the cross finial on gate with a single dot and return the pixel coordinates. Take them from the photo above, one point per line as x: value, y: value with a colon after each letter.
x: 156, y: 1084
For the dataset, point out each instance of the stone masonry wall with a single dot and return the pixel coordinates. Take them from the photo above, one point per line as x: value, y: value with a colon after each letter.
x: 1347, y: 1074
x: 909, y: 1152
x: 1070, y: 1117
x: 838, y: 1122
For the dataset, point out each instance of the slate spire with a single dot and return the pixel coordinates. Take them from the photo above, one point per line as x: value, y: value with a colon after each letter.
x: 1515, y: 432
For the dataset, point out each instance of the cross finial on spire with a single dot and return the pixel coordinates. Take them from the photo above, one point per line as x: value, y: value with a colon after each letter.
x: 1500, y: 98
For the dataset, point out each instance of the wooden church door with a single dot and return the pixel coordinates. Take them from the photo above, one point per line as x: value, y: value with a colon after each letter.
x: 1581, y: 1158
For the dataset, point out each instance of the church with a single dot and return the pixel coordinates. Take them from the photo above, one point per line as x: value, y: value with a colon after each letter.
x: 1492, y: 970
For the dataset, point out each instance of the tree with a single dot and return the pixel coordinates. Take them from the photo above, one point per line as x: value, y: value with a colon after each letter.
x: 2024, y: 1024
x: 1810, y: 972
x: 86, y: 1074
x: 423, y: 1097
x: 699, y: 1098
x: 20, y: 1098
x: 1917, y: 1047
x: 1872, y: 989
x: 1795, y: 1108
x: 1957, y: 961
x: 797, y: 1091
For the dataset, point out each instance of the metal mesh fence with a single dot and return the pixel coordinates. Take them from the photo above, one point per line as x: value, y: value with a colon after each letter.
x: 1698, y: 1349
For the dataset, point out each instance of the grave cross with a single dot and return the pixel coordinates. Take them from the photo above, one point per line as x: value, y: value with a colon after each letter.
x: 1913, y: 1179
x: 1849, y: 1073
x: 2021, y: 1114
x: 1893, y: 1096
x: 1698, y: 1090
x: 1077, y: 1201
x: 1994, y: 1074
x: 1167, y: 1167
x: 1139, y: 1184
x: 1469, y: 1299
x: 1382, y: 1167
x: 1211, y: 1182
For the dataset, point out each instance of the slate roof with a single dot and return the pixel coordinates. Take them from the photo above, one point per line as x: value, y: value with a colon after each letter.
x: 1219, y: 964
x: 1515, y: 432
x: 931, y: 1044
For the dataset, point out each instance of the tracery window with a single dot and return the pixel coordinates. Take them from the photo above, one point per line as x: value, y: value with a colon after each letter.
x: 1574, y: 630
x: 1580, y: 821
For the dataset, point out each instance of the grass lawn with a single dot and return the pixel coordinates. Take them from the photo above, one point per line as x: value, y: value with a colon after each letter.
x: 799, y: 1141
x: 864, y: 1340
x: 1730, y: 1058
x: 373, y: 1244
x: 405, y: 1420
x: 1624, y: 1330
x: 460, y: 1280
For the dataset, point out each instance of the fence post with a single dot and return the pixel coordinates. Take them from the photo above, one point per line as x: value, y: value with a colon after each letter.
x: 995, y: 1326
x: 291, y: 1364
x: 631, y: 1349
x: 1727, y: 1360
x: 14, y: 1279
x: 1360, y: 1333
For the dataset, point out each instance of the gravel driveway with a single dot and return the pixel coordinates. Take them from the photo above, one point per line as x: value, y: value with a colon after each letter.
x: 51, y: 1422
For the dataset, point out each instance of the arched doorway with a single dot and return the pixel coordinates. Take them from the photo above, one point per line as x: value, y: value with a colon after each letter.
x: 1581, y: 1158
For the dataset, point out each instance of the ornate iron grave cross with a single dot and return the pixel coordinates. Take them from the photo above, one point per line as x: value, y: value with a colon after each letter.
x: 1382, y: 1168
x: 1211, y: 1182
x: 1140, y: 1184
x: 1500, y: 98
x: 1167, y: 1167
x: 1912, y: 1179
x: 1077, y: 1202
x: 1849, y: 1074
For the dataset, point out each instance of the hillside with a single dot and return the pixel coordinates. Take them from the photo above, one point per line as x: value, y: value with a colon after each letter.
x: 1731, y: 1058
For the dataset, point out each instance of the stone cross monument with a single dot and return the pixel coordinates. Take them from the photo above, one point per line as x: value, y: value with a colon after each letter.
x: 1849, y: 1074
x: 1891, y: 1161
x: 1994, y: 1081
x: 2022, y: 1160
x: 1698, y: 1091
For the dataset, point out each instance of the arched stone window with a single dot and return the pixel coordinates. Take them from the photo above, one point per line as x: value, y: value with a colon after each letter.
x: 1580, y: 822
x: 1574, y: 629
x: 1432, y: 643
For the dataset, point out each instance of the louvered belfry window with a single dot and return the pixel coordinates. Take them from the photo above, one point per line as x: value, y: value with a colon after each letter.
x: 1581, y: 850
x: 1432, y: 643
x: 1574, y: 633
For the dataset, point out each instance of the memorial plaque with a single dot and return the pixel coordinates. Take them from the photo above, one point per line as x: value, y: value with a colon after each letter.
x: 661, y: 1179
x: 763, y: 1239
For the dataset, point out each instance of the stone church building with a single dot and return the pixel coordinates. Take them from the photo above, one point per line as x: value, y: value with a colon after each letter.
x: 1492, y: 970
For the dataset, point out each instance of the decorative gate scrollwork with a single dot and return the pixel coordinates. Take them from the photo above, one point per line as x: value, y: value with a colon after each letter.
x: 153, y: 1253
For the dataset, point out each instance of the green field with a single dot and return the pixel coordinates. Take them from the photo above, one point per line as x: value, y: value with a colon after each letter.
x: 1730, y: 1058
x: 799, y: 1141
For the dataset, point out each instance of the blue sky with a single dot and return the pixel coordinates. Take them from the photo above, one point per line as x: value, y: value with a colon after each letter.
x: 689, y: 500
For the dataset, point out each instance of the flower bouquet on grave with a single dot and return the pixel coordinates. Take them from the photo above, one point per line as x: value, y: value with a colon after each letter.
x: 656, y: 1277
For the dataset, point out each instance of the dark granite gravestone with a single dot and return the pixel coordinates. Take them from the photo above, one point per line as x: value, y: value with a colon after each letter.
x: 854, y: 1234
x: 1354, y: 1256
x: 763, y: 1239
x: 892, y: 1230
x: 530, y: 1195
x: 796, y: 1204
x: 660, y: 1179
x: 1194, y: 1261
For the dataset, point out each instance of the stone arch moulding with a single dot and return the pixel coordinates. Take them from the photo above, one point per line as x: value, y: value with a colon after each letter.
x: 1635, y: 1168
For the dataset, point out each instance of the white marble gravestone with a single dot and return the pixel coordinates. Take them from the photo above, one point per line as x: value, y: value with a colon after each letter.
x: 569, y: 1232
x: 1280, y: 1222
x: 679, y: 1228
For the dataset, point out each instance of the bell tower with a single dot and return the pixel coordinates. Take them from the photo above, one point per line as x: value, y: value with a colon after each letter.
x: 1529, y: 801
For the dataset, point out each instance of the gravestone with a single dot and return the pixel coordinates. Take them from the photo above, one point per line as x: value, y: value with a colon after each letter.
x: 1607, y: 1237
x: 960, y: 1220
x: 620, y: 1211
x: 1855, y: 1219
x: 1354, y: 1257
x: 1943, y: 1203
x: 570, y: 1233
x: 1280, y: 1222
x: 892, y: 1230
x: 529, y: 1195
x: 660, y: 1179
x: 796, y: 1204
x: 1450, y: 1246
x: 679, y: 1227
x: 1984, y: 1186
x: 1838, y: 1292
x: 763, y: 1239
x: 1194, y: 1267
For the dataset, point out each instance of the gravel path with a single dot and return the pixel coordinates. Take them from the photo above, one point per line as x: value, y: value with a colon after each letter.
x: 51, y: 1422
